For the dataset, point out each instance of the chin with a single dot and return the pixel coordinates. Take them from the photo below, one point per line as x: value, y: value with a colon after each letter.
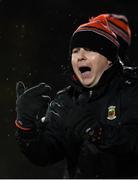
x: 87, y: 85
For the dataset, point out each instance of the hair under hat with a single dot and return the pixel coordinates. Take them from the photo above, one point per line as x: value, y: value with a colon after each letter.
x: 97, y: 36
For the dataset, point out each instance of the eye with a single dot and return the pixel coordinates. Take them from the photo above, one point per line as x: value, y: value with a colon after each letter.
x: 75, y: 50
x: 88, y: 49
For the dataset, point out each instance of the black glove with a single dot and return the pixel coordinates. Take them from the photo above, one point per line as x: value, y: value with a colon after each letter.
x: 59, y: 107
x: 31, y: 104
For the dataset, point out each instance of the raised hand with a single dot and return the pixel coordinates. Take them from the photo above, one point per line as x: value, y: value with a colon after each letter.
x: 30, y: 104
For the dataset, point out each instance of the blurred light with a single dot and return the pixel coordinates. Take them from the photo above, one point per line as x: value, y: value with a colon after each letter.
x: 20, y: 54
x: 22, y: 36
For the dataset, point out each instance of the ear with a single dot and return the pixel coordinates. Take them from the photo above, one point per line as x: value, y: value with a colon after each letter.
x: 110, y: 63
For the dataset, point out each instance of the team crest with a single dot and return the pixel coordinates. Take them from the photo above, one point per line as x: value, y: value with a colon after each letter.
x: 111, y: 112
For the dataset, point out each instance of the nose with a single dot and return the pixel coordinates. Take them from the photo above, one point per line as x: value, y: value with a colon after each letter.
x: 82, y: 55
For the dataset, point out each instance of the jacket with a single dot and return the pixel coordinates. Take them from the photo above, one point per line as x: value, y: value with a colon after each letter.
x: 95, y: 129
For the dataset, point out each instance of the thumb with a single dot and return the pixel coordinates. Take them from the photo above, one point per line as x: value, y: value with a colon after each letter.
x: 20, y: 88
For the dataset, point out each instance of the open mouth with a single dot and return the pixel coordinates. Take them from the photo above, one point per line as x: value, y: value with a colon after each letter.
x: 85, y: 69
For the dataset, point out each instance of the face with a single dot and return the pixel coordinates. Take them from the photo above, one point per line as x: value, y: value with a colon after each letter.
x: 88, y: 66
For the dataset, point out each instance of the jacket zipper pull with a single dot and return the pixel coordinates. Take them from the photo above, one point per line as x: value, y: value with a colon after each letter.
x: 90, y: 93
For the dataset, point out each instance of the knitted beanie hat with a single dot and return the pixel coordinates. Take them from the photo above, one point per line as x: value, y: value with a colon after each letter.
x: 97, y: 36
x: 120, y: 26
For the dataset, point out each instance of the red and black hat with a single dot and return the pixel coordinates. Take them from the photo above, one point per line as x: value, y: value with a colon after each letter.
x: 97, y: 36
x: 120, y: 26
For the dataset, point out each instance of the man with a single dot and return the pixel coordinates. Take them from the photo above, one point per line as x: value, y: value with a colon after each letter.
x: 93, y: 123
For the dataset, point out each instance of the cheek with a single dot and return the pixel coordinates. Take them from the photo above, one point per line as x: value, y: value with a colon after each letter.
x: 99, y: 68
x: 73, y: 63
x: 103, y: 67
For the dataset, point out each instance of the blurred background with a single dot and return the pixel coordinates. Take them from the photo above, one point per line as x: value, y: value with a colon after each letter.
x: 34, y: 41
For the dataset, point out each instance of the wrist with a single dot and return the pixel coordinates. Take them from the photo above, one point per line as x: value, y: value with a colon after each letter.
x: 21, y: 126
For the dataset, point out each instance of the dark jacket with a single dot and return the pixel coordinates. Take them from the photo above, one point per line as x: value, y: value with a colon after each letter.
x: 95, y: 130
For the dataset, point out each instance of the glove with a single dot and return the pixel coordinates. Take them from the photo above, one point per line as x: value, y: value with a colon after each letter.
x: 59, y: 107
x: 30, y: 104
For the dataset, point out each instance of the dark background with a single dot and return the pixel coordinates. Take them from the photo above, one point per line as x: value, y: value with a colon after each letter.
x: 34, y: 41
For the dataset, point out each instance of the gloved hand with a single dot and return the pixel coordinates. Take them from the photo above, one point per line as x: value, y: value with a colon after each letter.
x: 30, y: 104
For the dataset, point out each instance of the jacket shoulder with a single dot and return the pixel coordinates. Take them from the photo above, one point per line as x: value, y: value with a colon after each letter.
x: 131, y: 72
x: 130, y: 76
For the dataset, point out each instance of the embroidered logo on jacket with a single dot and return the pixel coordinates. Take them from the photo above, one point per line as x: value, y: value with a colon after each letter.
x: 111, y: 112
